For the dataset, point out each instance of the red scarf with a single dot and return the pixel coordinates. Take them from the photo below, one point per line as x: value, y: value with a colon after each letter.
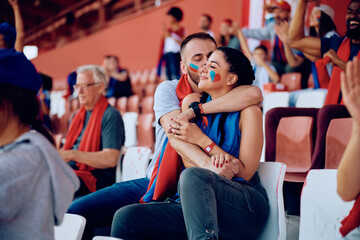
x: 334, y: 83
x: 167, y: 168
x: 352, y: 221
x: 90, y: 141
x: 322, y: 72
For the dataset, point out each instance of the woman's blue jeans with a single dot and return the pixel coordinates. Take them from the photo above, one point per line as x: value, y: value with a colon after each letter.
x: 212, y: 207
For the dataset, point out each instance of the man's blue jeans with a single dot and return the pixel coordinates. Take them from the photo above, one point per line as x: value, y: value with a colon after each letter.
x: 99, y: 207
x: 212, y: 207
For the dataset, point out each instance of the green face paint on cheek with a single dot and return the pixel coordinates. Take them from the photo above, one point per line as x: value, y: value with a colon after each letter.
x: 215, y: 77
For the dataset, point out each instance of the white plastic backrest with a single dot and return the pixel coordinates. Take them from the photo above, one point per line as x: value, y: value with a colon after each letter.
x: 275, y: 99
x: 105, y: 238
x: 312, y: 99
x: 130, y: 124
x: 135, y: 163
x: 321, y: 208
x: 71, y: 228
x: 272, y: 176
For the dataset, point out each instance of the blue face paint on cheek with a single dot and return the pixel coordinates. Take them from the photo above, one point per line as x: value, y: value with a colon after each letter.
x: 193, y: 67
x: 212, y: 75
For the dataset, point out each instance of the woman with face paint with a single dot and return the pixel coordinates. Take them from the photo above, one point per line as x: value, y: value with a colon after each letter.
x: 228, y: 201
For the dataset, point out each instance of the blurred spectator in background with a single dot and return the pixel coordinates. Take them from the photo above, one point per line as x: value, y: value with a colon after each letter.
x: 45, y: 101
x: 284, y: 58
x: 228, y: 35
x: 170, y: 47
x: 118, y: 79
x: 321, y: 26
x: 9, y: 37
x: 96, y: 133
x: 205, y: 24
x: 264, y: 71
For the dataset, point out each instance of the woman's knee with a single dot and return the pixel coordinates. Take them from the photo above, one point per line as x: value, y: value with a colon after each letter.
x: 124, y: 219
x: 194, y: 176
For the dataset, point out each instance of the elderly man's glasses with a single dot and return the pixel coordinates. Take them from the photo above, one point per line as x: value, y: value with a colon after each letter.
x: 84, y: 86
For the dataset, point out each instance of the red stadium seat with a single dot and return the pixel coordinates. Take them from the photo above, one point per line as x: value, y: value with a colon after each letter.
x: 337, y: 138
x: 145, y: 130
x: 133, y: 103
x: 121, y: 105
x: 150, y: 89
x: 147, y: 105
x: 294, y: 146
x: 291, y: 80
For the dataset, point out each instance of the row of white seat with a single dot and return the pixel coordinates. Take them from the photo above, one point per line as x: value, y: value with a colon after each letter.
x: 310, y: 98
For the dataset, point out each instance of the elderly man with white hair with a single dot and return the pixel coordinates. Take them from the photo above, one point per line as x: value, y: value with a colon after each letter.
x: 96, y: 133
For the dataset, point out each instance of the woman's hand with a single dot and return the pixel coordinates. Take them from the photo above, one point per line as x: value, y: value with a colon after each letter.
x: 188, y: 132
x: 350, y: 88
x: 219, y: 160
x: 224, y: 165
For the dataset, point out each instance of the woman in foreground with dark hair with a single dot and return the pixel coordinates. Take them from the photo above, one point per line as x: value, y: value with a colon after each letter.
x: 232, y: 205
x: 36, y: 184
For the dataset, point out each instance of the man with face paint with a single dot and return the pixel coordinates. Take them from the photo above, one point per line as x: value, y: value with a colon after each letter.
x: 99, y: 207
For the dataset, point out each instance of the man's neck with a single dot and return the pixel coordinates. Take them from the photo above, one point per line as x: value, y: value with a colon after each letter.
x: 193, y: 85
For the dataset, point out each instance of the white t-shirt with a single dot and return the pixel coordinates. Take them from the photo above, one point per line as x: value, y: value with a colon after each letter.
x: 165, y: 101
x: 171, y: 45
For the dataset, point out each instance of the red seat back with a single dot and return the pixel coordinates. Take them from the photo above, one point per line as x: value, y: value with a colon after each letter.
x: 291, y: 80
x: 337, y: 138
x: 294, y: 146
x: 133, y: 103
x: 121, y: 104
x: 145, y: 130
x: 147, y: 104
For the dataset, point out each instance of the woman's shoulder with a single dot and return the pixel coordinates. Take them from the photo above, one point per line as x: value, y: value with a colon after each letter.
x: 251, y: 114
x: 252, y: 110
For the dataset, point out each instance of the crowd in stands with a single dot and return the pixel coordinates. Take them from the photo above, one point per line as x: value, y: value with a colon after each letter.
x: 202, y: 182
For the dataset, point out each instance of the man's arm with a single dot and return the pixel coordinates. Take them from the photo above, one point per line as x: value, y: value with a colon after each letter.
x: 105, y: 158
x: 259, y: 33
x: 297, y: 39
x: 19, y: 26
x: 235, y: 100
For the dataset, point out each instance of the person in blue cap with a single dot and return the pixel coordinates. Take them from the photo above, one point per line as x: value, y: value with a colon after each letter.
x: 36, y: 184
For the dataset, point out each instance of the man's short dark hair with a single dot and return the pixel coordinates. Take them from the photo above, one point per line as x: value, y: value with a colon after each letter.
x: 112, y: 56
x: 200, y: 35
x: 176, y: 13
x: 262, y: 47
x: 209, y: 18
